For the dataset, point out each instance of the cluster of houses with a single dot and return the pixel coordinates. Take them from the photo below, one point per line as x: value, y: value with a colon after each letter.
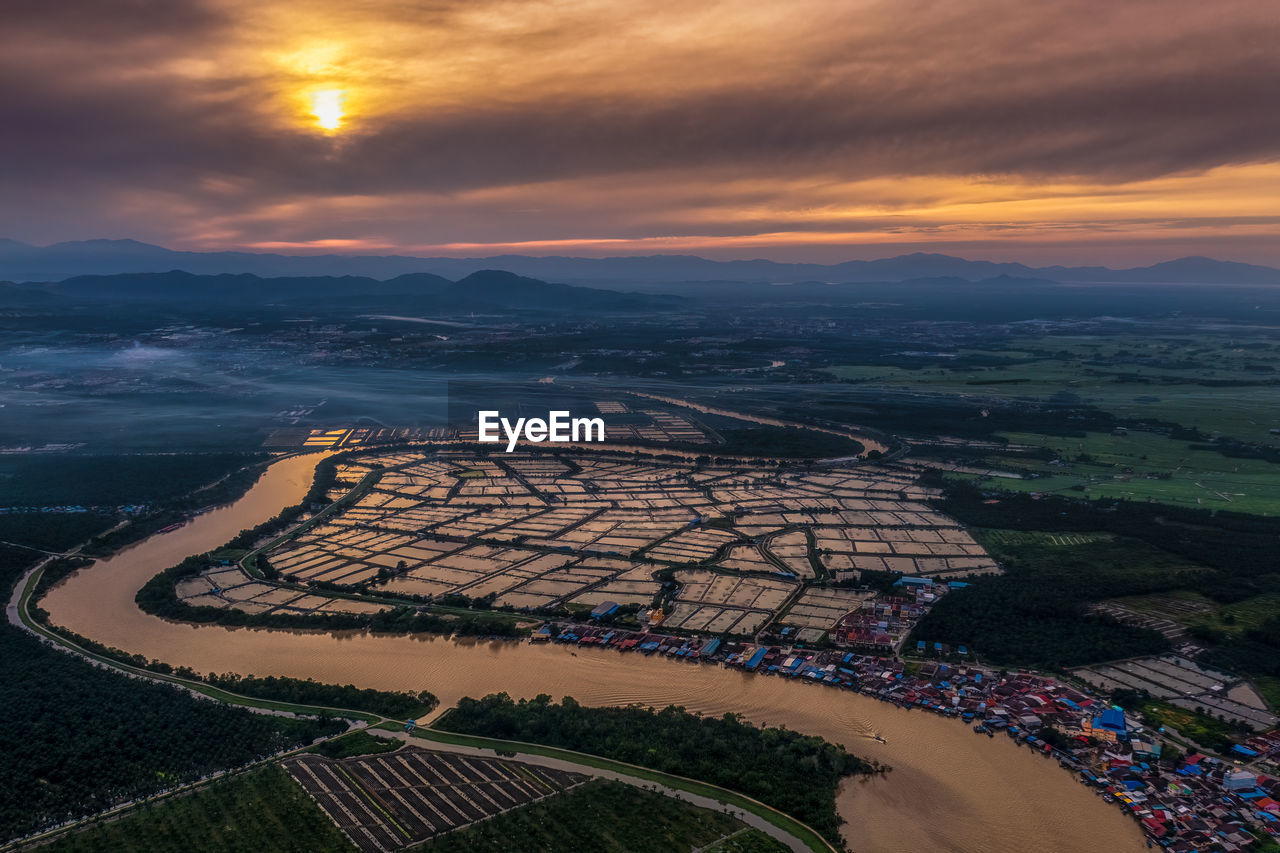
x: 881, y: 623
x: 1197, y: 802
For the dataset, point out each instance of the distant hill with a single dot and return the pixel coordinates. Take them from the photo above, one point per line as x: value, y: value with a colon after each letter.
x: 22, y: 262
x: 484, y: 290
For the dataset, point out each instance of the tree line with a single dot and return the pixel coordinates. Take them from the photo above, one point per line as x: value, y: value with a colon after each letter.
x: 795, y: 773
x: 77, y: 738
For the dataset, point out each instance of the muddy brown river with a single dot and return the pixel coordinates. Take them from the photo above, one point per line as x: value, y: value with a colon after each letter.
x: 950, y: 790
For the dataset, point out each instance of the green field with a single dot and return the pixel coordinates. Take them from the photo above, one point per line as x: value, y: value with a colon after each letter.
x: 1146, y: 466
x: 603, y: 817
x: 1037, y: 612
x: 1221, y: 386
x: 42, y: 479
x: 1218, y: 384
x: 256, y: 811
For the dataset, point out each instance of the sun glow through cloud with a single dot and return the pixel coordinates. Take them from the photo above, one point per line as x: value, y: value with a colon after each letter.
x: 327, y: 105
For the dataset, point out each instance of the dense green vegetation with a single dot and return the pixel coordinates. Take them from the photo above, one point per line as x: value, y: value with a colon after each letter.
x: 1256, y: 652
x: 603, y: 817
x: 177, y: 509
x: 53, y: 531
x: 1035, y: 614
x: 1120, y: 549
x: 398, y: 705
x: 357, y: 743
x: 47, y: 479
x: 1240, y: 547
x: 797, y: 774
x: 78, y: 738
x: 13, y: 562
x: 256, y: 811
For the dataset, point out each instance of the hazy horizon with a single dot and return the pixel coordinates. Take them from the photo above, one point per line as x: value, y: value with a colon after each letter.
x: 798, y: 256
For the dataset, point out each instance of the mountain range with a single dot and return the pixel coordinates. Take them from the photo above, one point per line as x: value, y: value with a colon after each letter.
x: 21, y: 262
x: 480, y: 291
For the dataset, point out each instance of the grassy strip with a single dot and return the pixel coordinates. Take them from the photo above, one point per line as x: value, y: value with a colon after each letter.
x: 785, y: 822
x: 356, y: 743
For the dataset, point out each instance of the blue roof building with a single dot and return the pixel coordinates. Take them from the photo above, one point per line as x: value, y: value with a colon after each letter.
x: 603, y: 609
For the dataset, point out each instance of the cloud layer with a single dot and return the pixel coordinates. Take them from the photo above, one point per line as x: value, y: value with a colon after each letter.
x: 719, y: 126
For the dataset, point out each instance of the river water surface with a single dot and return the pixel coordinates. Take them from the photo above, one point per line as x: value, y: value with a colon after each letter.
x: 950, y: 790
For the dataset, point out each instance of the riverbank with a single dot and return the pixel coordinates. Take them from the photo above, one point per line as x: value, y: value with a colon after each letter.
x: 1196, y: 802
x: 950, y: 790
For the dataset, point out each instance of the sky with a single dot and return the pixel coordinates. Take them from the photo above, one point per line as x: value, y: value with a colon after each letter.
x: 1053, y: 131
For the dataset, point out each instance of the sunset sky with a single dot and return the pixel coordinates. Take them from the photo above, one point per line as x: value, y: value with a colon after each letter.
x: 1041, y: 131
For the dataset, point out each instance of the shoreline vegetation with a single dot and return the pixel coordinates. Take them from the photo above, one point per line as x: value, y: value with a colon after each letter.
x: 159, y: 596
x: 179, y: 741
x: 795, y: 773
x: 810, y: 838
x: 1246, y: 553
x: 275, y: 692
x: 71, y: 770
x: 178, y: 510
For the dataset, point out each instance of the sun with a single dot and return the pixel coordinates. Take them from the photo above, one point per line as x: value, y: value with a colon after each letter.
x: 327, y: 107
